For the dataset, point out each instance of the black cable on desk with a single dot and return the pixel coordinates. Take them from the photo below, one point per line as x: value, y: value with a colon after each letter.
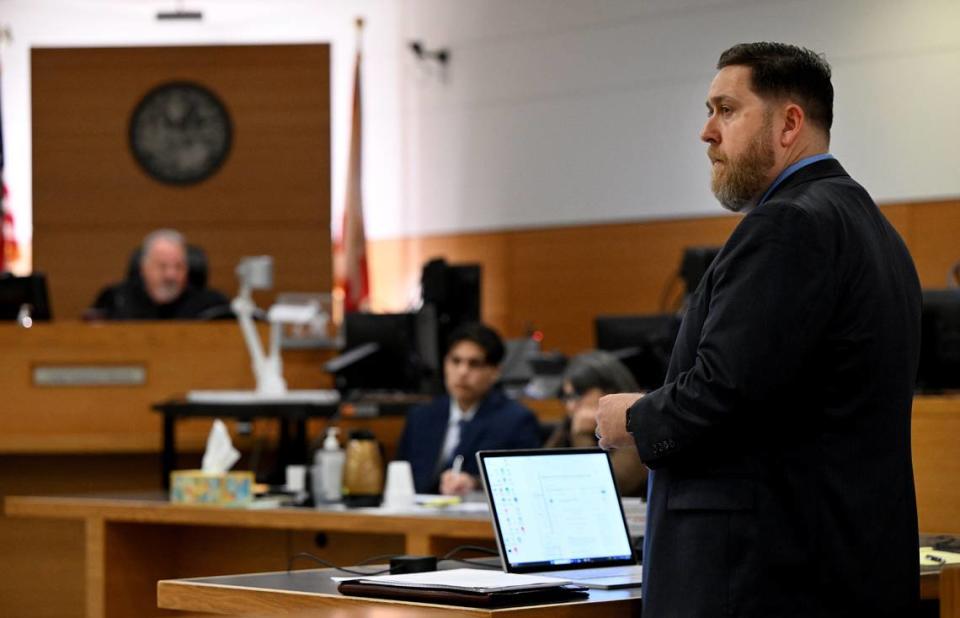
x: 474, y: 563
x: 476, y: 548
x: 446, y: 557
x: 330, y: 565
x: 449, y: 556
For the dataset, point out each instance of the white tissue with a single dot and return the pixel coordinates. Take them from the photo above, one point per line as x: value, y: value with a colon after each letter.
x: 220, y: 454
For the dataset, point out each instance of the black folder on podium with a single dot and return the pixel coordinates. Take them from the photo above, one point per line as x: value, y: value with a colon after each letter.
x: 454, y: 587
x: 507, y: 598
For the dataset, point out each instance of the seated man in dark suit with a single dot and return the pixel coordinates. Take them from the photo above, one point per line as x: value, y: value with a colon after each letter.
x: 162, y: 290
x: 473, y: 416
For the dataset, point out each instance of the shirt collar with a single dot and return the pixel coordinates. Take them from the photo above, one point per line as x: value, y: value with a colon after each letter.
x: 802, y: 163
x: 457, y: 414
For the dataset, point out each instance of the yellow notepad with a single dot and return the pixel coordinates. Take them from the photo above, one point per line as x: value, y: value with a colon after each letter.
x: 934, y: 557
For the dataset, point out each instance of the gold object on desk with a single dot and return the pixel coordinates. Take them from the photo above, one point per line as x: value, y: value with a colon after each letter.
x: 363, y: 471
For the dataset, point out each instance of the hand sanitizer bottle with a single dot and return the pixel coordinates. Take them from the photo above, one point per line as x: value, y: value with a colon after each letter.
x: 330, y: 461
x: 316, y: 479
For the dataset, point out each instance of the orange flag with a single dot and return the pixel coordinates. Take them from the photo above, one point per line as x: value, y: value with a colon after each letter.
x: 350, y: 249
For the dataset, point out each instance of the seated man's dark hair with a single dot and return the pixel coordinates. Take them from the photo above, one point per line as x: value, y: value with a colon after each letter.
x: 782, y: 71
x: 483, y: 336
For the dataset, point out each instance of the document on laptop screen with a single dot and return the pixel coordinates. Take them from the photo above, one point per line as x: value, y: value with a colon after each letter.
x: 557, y: 509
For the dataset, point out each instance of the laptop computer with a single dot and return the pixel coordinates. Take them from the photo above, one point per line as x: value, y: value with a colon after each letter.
x: 557, y: 512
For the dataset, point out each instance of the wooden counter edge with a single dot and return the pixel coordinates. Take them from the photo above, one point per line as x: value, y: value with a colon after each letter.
x: 234, y: 600
x: 145, y: 511
x: 199, y: 596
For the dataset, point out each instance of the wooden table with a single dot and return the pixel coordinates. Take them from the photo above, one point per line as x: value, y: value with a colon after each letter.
x: 949, y: 591
x: 313, y: 593
x: 310, y: 592
x: 134, y: 541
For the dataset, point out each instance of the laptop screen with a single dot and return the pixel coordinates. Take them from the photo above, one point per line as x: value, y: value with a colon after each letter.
x: 555, y: 509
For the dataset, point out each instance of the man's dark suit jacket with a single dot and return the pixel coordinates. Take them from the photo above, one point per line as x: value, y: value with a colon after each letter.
x: 782, y: 482
x: 499, y: 423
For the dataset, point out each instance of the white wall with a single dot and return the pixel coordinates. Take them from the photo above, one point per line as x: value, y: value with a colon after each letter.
x: 69, y: 23
x: 552, y: 111
x: 560, y: 112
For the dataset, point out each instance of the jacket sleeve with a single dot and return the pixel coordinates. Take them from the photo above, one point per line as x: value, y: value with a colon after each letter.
x: 526, y: 430
x: 771, y: 297
x: 405, y: 446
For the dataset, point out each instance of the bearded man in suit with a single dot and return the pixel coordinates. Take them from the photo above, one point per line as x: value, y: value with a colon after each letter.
x: 781, y: 480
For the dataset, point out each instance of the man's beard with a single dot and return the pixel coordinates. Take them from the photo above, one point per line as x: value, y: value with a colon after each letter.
x: 738, y: 182
x: 166, y: 292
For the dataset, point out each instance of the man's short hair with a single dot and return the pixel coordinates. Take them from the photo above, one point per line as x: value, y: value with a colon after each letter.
x: 781, y: 71
x: 483, y: 336
x: 170, y: 235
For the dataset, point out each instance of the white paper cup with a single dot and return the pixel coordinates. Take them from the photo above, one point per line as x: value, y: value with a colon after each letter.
x: 398, y: 492
x: 296, y: 478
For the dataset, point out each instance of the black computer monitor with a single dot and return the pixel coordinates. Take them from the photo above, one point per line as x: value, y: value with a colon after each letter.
x: 453, y: 292
x: 696, y: 261
x: 454, y: 289
x: 30, y: 291
x: 643, y: 342
x: 940, y: 341
x: 386, y: 352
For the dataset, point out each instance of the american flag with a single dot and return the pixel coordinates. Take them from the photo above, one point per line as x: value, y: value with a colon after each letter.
x: 350, y: 251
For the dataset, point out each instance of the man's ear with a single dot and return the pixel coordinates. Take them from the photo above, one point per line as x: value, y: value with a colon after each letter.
x: 793, y: 122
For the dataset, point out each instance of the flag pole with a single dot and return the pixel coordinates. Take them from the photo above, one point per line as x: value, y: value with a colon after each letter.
x: 352, y: 286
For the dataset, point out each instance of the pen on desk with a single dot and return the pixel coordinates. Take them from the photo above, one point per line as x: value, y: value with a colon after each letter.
x: 457, y: 464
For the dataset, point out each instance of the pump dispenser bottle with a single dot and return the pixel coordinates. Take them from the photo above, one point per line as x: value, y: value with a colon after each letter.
x: 328, y: 467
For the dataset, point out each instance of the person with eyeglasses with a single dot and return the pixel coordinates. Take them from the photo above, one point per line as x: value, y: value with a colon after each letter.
x: 588, y: 377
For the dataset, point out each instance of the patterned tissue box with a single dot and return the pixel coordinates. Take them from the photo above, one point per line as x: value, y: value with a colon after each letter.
x: 198, y: 487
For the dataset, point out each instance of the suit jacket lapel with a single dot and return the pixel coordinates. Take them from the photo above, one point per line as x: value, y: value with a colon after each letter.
x: 435, y: 429
x: 473, y: 432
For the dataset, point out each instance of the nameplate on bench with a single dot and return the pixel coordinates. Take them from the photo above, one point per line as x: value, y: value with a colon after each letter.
x: 89, y: 375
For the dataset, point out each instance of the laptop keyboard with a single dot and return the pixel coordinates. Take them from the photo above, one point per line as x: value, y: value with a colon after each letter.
x: 621, y: 571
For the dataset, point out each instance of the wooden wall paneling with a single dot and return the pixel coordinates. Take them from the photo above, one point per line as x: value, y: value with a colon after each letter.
x: 554, y: 279
x: 491, y: 251
x: 900, y: 219
x: 559, y: 279
x: 936, y: 464
x: 393, y: 274
x: 934, y: 240
x: 395, y: 267
x: 92, y: 203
